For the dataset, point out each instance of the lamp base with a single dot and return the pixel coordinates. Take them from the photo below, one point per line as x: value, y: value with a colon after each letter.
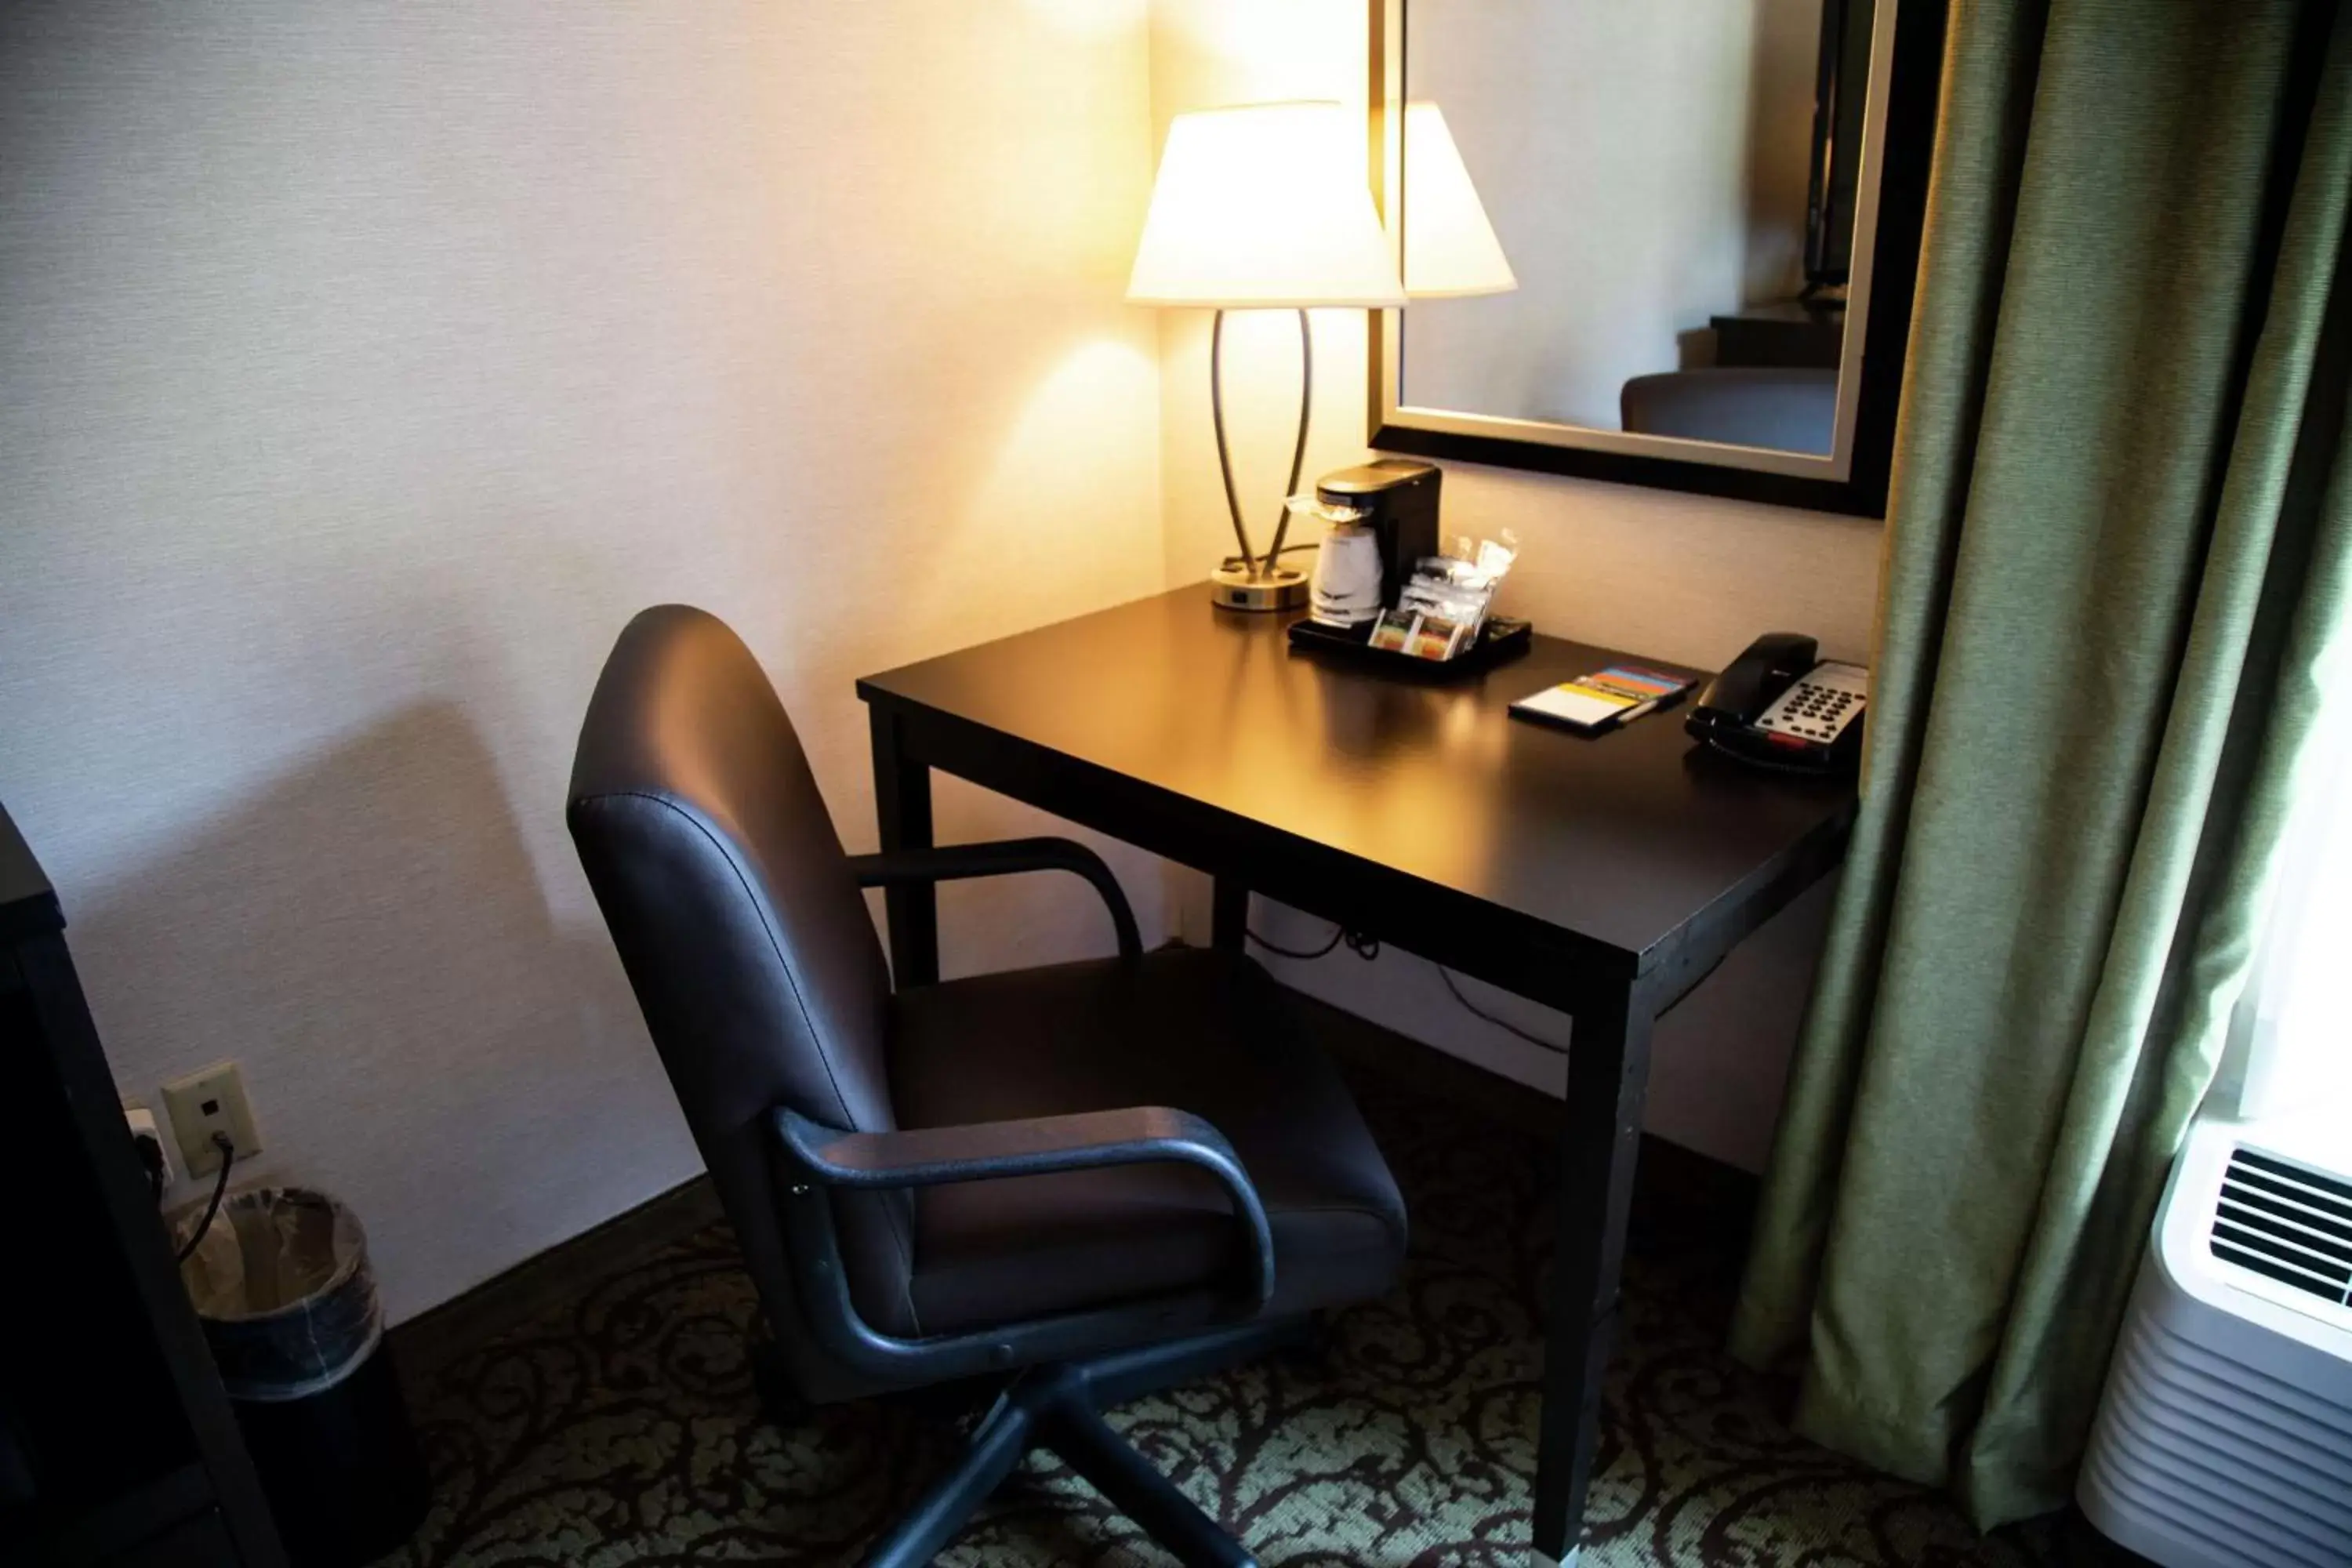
x: 1280, y: 588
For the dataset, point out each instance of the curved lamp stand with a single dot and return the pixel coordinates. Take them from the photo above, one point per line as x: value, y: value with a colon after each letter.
x: 1258, y: 582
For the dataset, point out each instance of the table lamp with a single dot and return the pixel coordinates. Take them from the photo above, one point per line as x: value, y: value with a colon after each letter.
x: 1263, y: 207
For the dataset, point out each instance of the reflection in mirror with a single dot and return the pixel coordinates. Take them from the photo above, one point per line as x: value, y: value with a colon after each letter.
x: 1450, y: 249
x: 1682, y: 192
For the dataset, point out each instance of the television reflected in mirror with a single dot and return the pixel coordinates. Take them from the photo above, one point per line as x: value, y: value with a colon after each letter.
x: 1672, y: 243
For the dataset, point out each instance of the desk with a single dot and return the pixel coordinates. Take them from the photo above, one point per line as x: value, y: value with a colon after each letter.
x: 1604, y: 876
x: 1786, y: 332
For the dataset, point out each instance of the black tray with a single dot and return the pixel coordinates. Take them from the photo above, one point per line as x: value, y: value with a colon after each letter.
x: 1501, y: 640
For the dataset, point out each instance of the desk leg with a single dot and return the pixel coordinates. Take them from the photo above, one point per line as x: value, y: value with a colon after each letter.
x: 1608, y: 1069
x: 1228, y: 915
x: 902, y: 809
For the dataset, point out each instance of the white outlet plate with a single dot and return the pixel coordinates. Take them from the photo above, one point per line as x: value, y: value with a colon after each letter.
x: 206, y: 1103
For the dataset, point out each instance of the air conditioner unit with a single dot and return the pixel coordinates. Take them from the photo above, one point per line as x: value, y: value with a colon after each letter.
x: 2224, y: 1437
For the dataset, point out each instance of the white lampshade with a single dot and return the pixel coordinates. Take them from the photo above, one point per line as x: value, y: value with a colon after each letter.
x: 1450, y: 249
x: 1263, y: 206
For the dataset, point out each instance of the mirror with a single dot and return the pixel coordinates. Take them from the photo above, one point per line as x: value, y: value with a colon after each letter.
x: 1669, y: 244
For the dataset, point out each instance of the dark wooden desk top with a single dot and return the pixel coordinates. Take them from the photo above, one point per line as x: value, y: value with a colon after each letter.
x: 1624, y: 839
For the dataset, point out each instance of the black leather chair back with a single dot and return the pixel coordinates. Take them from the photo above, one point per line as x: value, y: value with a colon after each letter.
x: 732, y: 901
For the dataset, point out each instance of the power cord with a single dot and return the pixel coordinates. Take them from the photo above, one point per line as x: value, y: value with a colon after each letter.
x: 222, y: 1141
x: 1297, y: 952
x: 1501, y: 1023
x: 1366, y: 947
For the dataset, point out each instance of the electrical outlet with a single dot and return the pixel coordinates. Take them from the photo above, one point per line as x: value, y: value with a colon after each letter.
x: 207, y: 1102
x: 145, y: 1133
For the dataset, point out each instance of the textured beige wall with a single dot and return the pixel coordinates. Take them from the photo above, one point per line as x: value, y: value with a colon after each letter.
x: 368, y: 364
x: 1679, y: 577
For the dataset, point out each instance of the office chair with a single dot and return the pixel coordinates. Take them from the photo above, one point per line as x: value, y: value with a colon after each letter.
x: 1089, y: 1180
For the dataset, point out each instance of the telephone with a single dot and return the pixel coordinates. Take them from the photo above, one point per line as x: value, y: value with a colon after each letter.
x: 1779, y: 706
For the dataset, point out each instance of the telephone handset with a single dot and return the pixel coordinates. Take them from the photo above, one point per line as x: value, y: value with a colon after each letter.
x: 1779, y: 706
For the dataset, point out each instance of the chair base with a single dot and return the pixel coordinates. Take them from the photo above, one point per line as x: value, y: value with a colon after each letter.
x: 1059, y: 1406
x: 780, y: 1403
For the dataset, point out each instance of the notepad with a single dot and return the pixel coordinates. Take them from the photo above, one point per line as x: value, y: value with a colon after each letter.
x: 1605, y: 700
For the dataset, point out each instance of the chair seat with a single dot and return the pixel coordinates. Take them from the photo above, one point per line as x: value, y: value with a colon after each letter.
x: 1194, y: 1029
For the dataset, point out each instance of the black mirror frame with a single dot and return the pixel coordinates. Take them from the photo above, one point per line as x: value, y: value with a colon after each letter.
x: 1913, y: 101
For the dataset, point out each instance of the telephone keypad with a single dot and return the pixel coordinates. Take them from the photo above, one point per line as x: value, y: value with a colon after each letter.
x: 1821, y: 705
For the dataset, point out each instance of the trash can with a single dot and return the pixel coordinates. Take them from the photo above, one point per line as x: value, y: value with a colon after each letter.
x: 281, y: 1283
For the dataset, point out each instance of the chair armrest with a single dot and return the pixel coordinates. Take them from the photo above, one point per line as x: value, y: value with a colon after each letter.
x: 1030, y: 1146
x: 956, y: 862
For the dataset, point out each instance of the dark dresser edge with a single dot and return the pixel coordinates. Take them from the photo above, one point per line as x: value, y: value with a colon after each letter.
x: 28, y: 904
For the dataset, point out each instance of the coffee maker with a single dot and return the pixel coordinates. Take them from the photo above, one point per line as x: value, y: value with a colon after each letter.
x: 1397, y: 499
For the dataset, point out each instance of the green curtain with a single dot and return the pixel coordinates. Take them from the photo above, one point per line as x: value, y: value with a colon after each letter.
x: 2120, y: 533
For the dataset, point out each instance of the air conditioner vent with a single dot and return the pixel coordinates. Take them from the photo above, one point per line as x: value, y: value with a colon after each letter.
x: 2287, y: 1222
x: 2224, y: 1437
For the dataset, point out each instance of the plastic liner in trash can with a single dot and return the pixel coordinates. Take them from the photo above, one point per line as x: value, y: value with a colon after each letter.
x: 288, y: 1304
x: 282, y: 1283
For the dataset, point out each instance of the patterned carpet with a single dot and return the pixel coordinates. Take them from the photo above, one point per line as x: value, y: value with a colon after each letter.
x: 622, y: 1429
